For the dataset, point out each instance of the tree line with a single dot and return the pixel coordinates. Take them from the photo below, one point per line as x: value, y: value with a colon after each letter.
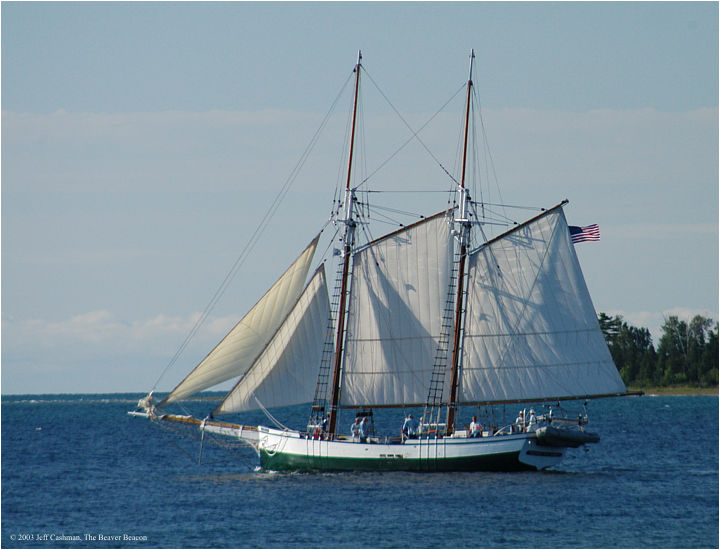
x: 687, y: 353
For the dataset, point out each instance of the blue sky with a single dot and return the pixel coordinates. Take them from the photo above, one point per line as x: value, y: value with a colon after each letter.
x: 141, y: 143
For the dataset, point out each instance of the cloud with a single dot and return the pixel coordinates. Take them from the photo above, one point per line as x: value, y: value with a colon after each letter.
x: 215, y: 149
x: 155, y: 206
x: 181, y: 151
x: 98, y: 352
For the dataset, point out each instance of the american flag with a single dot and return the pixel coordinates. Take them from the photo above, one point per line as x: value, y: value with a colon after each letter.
x: 588, y: 233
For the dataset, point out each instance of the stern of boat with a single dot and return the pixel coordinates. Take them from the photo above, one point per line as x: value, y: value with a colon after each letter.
x: 539, y: 456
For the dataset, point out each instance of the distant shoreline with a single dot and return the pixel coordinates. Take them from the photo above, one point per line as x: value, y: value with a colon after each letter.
x: 681, y: 390
x: 217, y: 396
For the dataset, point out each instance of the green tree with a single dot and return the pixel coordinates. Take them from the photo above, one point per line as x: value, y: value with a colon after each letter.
x: 685, y: 352
x: 631, y: 348
x: 672, y: 351
x: 709, y: 360
x: 610, y: 326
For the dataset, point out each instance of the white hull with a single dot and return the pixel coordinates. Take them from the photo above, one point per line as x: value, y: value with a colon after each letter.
x: 292, y: 450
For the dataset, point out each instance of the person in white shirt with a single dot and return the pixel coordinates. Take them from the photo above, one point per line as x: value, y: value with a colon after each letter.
x: 355, y: 428
x: 475, y: 428
x: 532, y: 422
x: 364, y: 429
x: 410, y: 427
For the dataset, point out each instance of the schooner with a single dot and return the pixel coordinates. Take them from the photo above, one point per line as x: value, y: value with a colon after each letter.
x: 421, y: 318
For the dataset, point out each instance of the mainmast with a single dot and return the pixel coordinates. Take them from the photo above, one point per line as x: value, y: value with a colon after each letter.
x: 464, y: 222
x: 349, y: 236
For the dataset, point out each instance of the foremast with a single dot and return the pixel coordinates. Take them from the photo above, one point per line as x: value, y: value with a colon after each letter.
x: 348, y: 239
x: 464, y: 236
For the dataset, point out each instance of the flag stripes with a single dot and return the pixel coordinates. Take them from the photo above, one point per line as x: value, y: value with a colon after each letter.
x: 587, y: 233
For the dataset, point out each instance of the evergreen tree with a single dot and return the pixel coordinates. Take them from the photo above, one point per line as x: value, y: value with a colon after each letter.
x: 610, y: 326
x: 672, y: 351
x: 686, y: 354
x: 709, y: 360
x: 631, y: 348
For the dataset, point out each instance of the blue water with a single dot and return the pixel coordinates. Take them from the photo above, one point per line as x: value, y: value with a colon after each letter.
x: 78, y: 466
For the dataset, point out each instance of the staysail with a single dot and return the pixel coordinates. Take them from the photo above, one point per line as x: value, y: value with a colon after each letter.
x: 236, y: 352
x: 399, y: 288
x: 531, y: 331
x: 285, y: 372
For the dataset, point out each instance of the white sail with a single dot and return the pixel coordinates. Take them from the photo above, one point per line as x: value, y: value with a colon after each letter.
x: 531, y: 331
x: 236, y: 352
x: 399, y: 289
x: 285, y: 373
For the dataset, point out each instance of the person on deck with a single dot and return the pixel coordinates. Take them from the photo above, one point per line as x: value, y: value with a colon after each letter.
x: 532, y: 421
x: 520, y: 422
x: 475, y: 428
x: 355, y: 429
x: 364, y: 430
x: 410, y: 427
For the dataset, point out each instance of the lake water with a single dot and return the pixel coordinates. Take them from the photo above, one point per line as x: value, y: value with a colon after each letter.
x: 77, y: 472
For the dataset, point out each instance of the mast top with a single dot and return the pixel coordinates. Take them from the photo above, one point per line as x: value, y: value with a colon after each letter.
x: 472, y: 59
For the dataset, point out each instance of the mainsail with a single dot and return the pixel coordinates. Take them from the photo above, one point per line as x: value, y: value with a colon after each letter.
x: 531, y: 331
x: 234, y: 355
x: 284, y: 373
x: 399, y: 289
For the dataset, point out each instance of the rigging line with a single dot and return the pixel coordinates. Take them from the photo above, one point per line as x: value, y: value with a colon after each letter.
x: 361, y: 154
x: 366, y: 231
x: 167, y: 428
x: 413, y: 191
x: 488, y: 152
x: 341, y: 175
x: 498, y: 216
x: 480, y: 176
x: 383, y: 218
x: 270, y: 416
x: 387, y: 221
x: 178, y: 433
x: 458, y: 158
x: 252, y: 241
x: 534, y: 208
x: 330, y: 244
x: 415, y: 134
x: 396, y: 211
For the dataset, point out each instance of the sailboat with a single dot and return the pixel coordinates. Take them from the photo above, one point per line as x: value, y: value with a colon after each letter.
x: 420, y: 318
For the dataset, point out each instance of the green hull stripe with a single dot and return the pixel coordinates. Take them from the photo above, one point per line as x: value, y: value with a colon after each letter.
x: 495, y: 462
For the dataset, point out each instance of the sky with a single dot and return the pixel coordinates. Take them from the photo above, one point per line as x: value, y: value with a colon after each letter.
x: 142, y: 144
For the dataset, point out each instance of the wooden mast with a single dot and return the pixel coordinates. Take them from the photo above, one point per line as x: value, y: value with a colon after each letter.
x: 464, y: 233
x: 349, y: 231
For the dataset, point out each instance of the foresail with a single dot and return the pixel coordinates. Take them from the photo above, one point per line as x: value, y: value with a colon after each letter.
x: 285, y: 373
x: 236, y: 352
x: 531, y: 330
x: 399, y: 289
